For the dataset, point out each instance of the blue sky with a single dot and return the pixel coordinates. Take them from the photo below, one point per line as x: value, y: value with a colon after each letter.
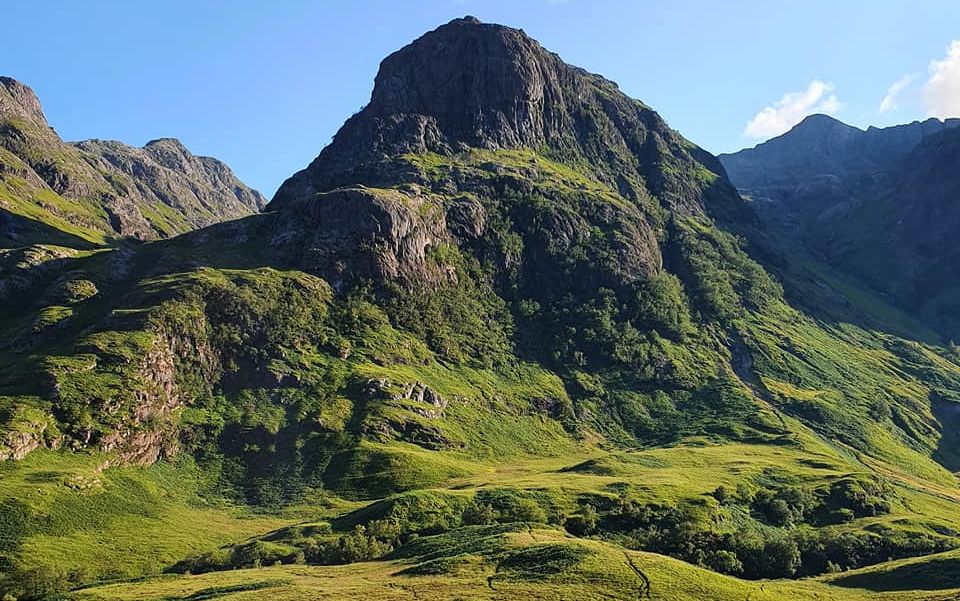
x: 264, y: 85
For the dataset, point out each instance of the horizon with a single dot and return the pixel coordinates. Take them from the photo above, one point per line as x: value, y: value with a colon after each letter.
x: 265, y: 136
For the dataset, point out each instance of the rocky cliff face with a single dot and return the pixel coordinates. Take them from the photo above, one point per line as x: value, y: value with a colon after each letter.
x: 200, y: 190
x: 18, y: 100
x: 470, y: 85
x: 106, y: 187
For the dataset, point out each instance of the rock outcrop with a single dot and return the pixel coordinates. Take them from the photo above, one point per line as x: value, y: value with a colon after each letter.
x: 19, y: 100
x: 361, y: 233
x: 470, y: 85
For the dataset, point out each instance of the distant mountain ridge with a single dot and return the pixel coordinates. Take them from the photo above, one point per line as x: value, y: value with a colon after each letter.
x: 824, y: 151
x: 882, y: 204
x: 94, y: 188
x: 472, y: 85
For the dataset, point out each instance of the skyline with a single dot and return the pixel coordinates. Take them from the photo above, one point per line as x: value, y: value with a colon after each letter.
x: 264, y: 91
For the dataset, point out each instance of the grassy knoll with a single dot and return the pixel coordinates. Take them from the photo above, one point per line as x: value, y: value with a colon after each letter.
x: 529, y: 564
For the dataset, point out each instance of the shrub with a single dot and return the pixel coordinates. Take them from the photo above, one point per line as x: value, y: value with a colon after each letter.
x: 583, y: 524
x: 479, y: 514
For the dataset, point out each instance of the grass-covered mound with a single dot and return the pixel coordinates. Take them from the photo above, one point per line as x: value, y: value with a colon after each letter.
x: 531, y: 563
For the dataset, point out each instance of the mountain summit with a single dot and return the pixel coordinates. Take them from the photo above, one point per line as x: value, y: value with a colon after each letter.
x: 470, y: 85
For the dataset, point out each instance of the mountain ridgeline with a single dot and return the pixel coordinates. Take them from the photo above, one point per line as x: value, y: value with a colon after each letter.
x: 80, y: 193
x: 506, y: 328
x: 878, y: 204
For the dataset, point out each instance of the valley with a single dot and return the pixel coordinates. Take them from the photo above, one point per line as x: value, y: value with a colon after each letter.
x: 509, y: 335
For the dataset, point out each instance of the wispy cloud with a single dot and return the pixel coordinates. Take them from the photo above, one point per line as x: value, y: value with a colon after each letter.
x: 791, y: 109
x: 891, y: 101
x: 942, y: 91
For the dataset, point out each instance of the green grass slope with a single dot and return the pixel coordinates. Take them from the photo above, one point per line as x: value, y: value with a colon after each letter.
x: 485, y: 563
x: 522, y: 371
x: 701, y: 427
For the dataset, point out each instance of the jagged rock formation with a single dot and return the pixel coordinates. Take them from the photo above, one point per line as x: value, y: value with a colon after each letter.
x: 109, y: 187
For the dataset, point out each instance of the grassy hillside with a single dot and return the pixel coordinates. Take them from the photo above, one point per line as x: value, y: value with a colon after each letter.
x: 510, y: 370
x: 291, y: 413
x: 501, y: 563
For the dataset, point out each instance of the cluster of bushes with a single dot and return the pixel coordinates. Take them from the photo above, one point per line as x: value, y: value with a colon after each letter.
x: 780, y: 543
x: 845, y: 499
x: 319, y: 546
x: 398, y: 521
x: 757, y: 552
x: 721, y: 278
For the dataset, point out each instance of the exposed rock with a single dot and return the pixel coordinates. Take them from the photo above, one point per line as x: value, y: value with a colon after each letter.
x: 424, y: 394
x: 18, y: 445
x: 550, y: 406
x: 18, y: 100
x: 30, y: 430
x: 201, y: 189
x: 149, y: 433
x: 474, y: 85
x: 361, y: 233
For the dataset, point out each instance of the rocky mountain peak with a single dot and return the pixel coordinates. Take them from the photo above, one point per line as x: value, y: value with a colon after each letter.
x: 818, y: 132
x: 471, y: 85
x: 169, y: 143
x: 19, y: 100
x: 487, y: 86
x: 820, y: 120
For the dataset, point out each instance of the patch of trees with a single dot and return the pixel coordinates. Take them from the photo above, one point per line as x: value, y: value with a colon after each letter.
x: 781, y: 541
x: 843, y: 501
x: 376, y: 538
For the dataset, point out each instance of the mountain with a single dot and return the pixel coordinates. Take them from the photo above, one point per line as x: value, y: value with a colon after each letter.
x: 470, y: 85
x: 822, y: 160
x: 505, y: 329
x: 81, y: 193
x: 877, y: 204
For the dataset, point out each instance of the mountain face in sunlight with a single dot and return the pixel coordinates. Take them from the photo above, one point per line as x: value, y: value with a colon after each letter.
x: 509, y: 335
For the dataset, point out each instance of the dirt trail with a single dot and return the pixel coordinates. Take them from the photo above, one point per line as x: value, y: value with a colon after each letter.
x: 644, y: 581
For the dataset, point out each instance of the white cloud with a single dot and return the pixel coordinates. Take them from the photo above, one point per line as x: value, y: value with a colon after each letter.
x: 791, y: 109
x: 942, y: 92
x: 891, y: 101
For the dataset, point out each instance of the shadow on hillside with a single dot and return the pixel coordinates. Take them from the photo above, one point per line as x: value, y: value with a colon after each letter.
x: 824, y: 292
x: 931, y: 575
x: 17, y: 230
x: 948, y: 414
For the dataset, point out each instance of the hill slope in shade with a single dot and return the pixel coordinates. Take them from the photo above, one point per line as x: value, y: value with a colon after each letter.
x: 879, y: 204
x: 503, y: 332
